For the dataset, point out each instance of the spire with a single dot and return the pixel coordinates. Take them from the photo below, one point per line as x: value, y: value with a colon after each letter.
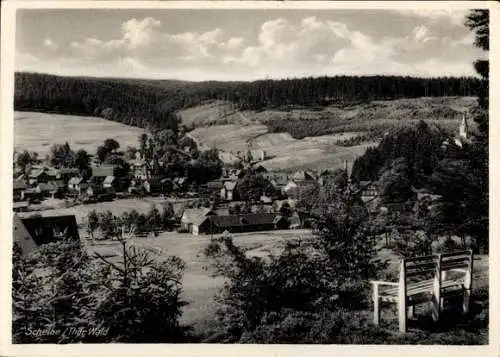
x: 463, y: 130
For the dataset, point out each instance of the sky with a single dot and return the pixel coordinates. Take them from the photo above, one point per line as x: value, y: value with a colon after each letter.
x: 199, y: 45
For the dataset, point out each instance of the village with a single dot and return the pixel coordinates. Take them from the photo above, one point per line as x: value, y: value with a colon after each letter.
x: 210, y: 208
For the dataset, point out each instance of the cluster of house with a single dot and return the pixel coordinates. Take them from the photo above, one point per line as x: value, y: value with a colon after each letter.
x: 42, y: 182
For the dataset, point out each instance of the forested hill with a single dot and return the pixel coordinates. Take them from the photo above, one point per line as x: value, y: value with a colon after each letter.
x: 153, y: 103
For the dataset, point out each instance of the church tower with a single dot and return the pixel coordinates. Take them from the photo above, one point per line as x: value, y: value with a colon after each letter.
x: 463, y: 129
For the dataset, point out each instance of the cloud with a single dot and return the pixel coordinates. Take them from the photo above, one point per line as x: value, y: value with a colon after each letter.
x: 279, y: 48
x: 50, y: 44
x: 455, y: 17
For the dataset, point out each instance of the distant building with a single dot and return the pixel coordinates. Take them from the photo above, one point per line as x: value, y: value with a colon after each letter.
x: 227, y: 190
x: 193, y: 217
x: 46, y: 229
x: 42, y: 175
x: 104, y: 171
x: 277, y: 179
x: 295, y: 188
x: 239, y: 223
x: 76, y: 185
x: 368, y: 190
x: 67, y: 173
x: 18, y: 189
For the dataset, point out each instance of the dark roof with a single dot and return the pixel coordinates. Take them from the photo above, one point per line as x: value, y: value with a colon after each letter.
x: 238, y: 220
x: 69, y: 170
x: 22, y: 236
x: 214, y: 185
x: 45, y: 187
x: 279, y: 178
x: 103, y: 170
x: 58, y: 183
x: 50, y: 228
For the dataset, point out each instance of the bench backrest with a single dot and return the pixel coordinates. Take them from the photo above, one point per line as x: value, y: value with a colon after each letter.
x: 437, y: 267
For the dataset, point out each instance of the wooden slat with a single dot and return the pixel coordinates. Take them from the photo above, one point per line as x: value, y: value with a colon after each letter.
x: 460, y: 252
x: 456, y: 260
x: 413, y: 273
x: 389, y: 298
x: 421, y: 259
x: 380, y: 282
x: 421, y: 266
x: 445, y: 266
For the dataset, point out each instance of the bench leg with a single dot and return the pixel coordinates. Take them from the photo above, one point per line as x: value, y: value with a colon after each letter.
x: 402, y: 311
x: 436, y: 308
x: 376, y: 305
x: 376, y: 311
x: 466, y: 302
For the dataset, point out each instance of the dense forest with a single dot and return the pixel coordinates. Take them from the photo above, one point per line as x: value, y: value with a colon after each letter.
x: 153, y: 104
x: 342, y: 90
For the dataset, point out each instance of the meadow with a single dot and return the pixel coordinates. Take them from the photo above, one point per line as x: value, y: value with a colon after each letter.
x: 35, y: 131
x: 200, y: 288
x: 315, y: 138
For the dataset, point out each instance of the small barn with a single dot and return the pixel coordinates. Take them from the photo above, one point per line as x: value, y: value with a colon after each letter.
x: 239, y: 223
x: 192, y: 216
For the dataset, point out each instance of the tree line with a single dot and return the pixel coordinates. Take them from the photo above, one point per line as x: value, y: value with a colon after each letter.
x: 154, y: 104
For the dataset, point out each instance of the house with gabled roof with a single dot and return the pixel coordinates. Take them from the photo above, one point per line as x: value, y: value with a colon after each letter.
x: 45, y: 229
x: 42, y: 175
x: 194, y: 216
x: 75, y: 184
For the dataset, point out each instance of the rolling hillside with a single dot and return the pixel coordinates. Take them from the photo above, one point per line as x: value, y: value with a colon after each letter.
x: 305, y: 138
x: 39, y: 131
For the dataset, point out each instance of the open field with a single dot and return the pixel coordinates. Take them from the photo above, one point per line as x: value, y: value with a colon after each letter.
x: 302, y: 138
x: 286, y: 152
x: 35, y: 131
x: 200, y: 288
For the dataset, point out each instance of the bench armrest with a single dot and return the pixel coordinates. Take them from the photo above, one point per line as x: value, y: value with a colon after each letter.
x: 379, y: 282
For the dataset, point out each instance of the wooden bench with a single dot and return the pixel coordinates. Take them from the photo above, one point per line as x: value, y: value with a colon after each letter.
x: 426, y: 279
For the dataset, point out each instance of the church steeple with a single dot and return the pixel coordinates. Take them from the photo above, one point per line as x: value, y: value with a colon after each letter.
x: 463, y: 129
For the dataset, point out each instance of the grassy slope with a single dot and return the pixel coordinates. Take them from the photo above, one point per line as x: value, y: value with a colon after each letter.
x: 39, y: 131
x: 235, y: 131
